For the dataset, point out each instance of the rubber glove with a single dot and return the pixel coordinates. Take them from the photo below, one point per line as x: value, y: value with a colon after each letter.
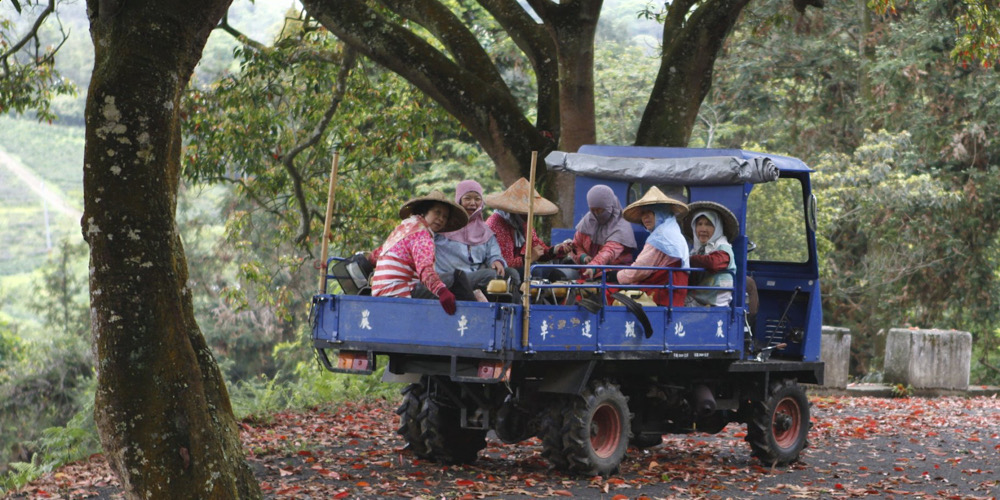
x: 447, y: 300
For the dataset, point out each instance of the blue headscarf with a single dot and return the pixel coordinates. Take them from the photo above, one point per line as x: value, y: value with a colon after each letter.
x: 666, y: 236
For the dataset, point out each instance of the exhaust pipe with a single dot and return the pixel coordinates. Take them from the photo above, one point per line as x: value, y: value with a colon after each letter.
x: 704, y: 401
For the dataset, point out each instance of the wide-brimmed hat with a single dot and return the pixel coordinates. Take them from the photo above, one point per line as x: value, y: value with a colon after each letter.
x: 457, y: 218
x: 633, y: 212
x: 730, y: 227
x: 515, y: 200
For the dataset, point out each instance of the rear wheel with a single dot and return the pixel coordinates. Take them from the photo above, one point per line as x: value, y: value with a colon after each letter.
x: 409, y: 418
x: 597, y: 430
x: 551, y: 435
x: 444, y: 437
x: 778, y: 430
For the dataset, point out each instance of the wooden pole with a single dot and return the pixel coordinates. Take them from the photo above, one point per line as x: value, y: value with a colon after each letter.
x: 326, y: 223
x: 528, y: 248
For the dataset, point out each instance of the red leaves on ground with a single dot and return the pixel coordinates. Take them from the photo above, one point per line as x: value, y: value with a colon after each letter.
x: 859, y: 447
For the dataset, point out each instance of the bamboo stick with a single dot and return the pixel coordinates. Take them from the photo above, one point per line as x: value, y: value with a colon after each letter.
x: 528, y: 248
x: 326, y: 224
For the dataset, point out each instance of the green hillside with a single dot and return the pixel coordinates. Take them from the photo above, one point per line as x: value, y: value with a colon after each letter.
x: 54, y: 155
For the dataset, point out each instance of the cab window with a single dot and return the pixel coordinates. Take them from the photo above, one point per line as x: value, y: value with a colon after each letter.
x: 637, y: 189
x: 776, y: 222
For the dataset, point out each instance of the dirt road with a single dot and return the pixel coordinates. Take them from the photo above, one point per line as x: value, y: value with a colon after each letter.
x: 861, y: 447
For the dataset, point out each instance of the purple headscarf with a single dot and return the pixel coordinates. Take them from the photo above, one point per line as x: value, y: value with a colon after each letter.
x: 476, y: 232
x: 610, y: 225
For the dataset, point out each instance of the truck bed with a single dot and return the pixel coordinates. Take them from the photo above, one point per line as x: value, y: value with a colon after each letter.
x: 495, y: 330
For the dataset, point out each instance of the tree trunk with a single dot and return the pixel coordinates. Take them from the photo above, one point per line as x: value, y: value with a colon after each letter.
x: 691, y: 43
x: 573, y: 26
x: 161, y: 408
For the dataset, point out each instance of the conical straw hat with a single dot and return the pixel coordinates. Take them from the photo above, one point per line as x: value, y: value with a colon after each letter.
x: 633, y: 212
x: 457, y: 218
x: 730, y: 227
x: 515, y: 200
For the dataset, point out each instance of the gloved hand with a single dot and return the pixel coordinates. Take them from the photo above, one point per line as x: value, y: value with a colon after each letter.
x: 447, y: 300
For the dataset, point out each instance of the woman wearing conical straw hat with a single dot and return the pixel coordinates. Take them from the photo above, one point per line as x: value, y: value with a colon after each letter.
x: 711, y: 226
x: 509, y: 225
x: 405, y: 262
x: 665, y: 246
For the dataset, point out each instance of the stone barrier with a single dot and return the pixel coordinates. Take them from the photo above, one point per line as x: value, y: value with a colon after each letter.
x: 835, y: 353
x: 928, y: 359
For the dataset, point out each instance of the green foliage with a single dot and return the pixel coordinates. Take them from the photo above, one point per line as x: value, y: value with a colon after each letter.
x: 905, y: 144
x: 901, y: 391
x: 457, y: 161
x: 48, y: 380
x: 61, y: 299
x: 623, y: 75
x: 978, y: 23
x: 307, y: 385
x: 879, y: 217
x: 28, y: 79
x: 57, y: 446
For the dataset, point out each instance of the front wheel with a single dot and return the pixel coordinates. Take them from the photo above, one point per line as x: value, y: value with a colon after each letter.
x: 597, y: 428
x: 778, y: 430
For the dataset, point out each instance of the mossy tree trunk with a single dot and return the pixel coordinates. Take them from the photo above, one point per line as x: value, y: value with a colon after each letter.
x: 693, y: 35
x: 162, y: 410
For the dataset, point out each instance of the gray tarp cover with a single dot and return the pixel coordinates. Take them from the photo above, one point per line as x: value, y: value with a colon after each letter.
x: 705, y: 170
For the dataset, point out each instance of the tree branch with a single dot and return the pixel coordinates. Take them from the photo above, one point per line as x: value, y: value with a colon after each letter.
x: 288, y: 160
x: 532, y: 38
x: 453, y: 34
x: 31, y: 34
x: 491, y: 115
x: 238, y: 35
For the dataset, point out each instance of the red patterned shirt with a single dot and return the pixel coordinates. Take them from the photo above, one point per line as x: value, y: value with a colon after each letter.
x: 410, y: 261
x: 505, y: 238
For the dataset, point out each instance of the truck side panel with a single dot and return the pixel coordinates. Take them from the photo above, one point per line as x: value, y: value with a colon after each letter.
x: 614, y: 328
x: 401, y: 321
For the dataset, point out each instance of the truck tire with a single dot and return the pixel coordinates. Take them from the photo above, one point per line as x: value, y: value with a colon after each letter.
x: 597, y: 430
x: 778, y: 430
x: 446, y: 440
x: 409, y: 421
x: 551, y: 434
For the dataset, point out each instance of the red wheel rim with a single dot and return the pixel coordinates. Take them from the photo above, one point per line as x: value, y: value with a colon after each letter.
x: 786, y: 422
x: 605, y: 430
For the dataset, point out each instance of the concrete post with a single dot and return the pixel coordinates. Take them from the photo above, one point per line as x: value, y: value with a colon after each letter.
x: 835, y: 353
x: 928, y: 359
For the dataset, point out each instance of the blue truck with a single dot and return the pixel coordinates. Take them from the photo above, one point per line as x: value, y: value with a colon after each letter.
x: 591, y: 381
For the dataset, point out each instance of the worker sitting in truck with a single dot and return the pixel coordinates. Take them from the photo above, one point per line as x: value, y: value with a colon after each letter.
x: 665, y: 247
x: 509, y: 224
x: 473, y: 248
x: 711, y: 227
x: 602, y: 236
x: 405, y: 262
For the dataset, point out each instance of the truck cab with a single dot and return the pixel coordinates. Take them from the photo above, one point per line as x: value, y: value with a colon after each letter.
x: 591, y: 380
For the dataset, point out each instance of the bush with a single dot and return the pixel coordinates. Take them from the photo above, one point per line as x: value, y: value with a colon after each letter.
x: 56, y: 446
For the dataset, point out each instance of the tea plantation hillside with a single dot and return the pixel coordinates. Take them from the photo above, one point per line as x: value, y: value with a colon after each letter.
x: 52, y: 158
